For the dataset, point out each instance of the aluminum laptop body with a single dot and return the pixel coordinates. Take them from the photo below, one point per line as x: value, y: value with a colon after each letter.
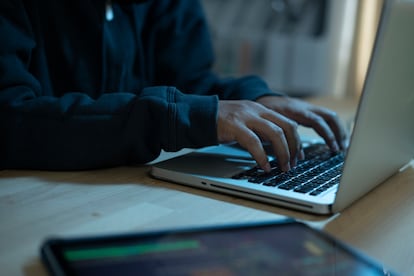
x: 382, y: 140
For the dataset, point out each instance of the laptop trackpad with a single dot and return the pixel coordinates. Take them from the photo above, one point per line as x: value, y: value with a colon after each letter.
x: 215, y: 161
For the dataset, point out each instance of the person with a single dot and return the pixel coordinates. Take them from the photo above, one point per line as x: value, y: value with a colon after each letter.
x: 88, y: 84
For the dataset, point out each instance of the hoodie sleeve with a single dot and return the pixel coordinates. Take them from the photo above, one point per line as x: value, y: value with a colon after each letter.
x: 75, y: 131
x: 184, y: 54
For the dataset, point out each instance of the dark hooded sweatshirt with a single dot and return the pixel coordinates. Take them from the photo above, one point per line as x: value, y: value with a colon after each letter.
x: 79, y: 91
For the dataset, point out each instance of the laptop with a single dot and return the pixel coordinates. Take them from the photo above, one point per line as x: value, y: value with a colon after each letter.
x: 382, y: 140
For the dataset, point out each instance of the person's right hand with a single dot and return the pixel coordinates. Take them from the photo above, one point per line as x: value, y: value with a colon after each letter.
x: 250, y: 123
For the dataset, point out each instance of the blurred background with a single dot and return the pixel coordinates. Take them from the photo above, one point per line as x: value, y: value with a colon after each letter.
x: 300, y: 47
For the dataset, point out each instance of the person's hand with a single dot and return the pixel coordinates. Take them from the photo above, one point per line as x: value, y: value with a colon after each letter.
x: 249, y: 123
x: 324, y: 121
x: 275, y: 119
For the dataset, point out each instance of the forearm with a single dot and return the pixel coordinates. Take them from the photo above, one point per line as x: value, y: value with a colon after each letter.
x: 76, y: 132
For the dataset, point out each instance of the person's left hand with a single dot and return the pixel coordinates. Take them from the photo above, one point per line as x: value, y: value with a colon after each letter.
x: 324, y: 121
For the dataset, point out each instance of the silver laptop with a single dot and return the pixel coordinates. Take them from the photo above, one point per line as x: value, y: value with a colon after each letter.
x: 382, y: 141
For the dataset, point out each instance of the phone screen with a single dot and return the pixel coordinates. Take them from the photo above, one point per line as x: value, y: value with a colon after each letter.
x: 276, y: 249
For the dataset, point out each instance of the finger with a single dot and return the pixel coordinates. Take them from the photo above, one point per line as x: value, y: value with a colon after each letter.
x: 335, y: 124
x: 251, y: 142
x: 290, y: 129
x: 321, y: 127
x: 271, y: 132
x: 337, y: 127
x: 301, y: 154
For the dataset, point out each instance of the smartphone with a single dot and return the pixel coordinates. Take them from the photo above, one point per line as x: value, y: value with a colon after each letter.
x: 267, y: 248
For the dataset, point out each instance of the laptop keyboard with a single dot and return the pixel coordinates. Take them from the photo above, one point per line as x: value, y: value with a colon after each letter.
x: 320, y: 170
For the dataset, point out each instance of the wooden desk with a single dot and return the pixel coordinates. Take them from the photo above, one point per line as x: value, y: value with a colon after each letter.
x: 35, y: 205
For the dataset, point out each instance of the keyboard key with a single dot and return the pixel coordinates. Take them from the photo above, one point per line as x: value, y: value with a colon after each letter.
x: 317, y: 173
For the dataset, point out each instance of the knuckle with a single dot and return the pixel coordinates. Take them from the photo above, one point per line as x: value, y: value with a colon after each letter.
x: 333, y: 116
x: 247, y: 104
x: 319, y: 120
x: 309, y: 115
x: 278, y: 131
x: 292, y: 126
x: 329, y: 112
x: 250, y: 141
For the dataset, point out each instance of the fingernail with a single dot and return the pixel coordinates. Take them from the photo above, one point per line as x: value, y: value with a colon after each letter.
x: 267, y: 167
x: 301, y: 155
x: 344, y: 144
x: 294, y: 162
x: 286, y: 167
